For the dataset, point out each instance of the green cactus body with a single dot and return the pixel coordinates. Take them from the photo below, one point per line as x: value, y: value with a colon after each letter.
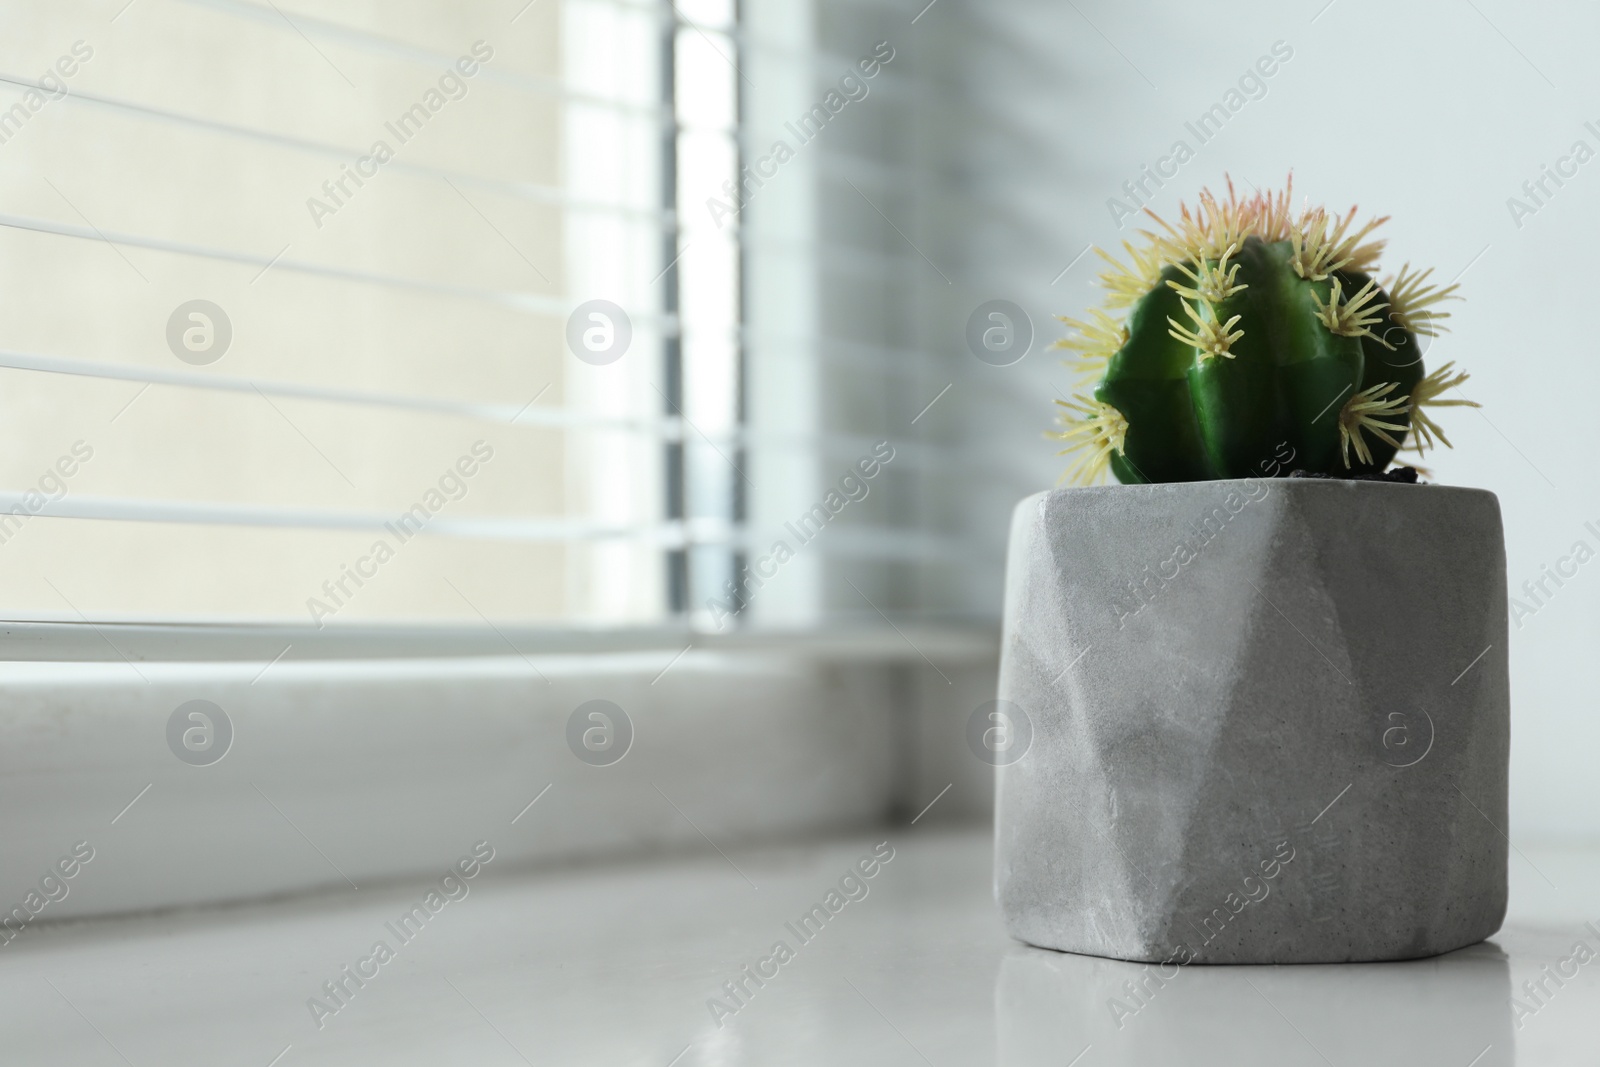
x: 1246, y: 330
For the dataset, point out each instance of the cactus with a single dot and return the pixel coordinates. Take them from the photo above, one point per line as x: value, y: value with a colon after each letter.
x: 1247, y: 326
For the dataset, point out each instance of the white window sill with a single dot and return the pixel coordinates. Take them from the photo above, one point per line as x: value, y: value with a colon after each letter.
x: 616, y: 965
x: 358, y: 771
x: 33, y: 640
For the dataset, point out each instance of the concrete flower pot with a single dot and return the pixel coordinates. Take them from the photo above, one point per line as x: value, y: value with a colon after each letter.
x: 1269, y: 721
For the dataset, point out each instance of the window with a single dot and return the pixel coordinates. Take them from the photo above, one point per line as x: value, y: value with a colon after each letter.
x: 277, y: 272
x: 288, y: 292
x: 454, y: 325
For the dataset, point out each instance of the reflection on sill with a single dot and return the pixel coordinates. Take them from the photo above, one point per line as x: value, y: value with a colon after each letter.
x: 1447, y: 1009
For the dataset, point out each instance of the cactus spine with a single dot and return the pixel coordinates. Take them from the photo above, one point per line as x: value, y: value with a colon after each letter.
x: 1247, y: 326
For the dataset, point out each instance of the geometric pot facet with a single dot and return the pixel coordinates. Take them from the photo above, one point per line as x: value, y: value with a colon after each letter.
x: 1268, y: 721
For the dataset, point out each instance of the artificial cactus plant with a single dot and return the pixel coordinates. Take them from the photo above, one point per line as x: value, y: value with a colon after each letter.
x: 1247, y: 326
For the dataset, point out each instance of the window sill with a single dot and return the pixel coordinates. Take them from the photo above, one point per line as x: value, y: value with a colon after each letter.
x: 346, y: 772
x: 70, y: 641
x: 619, y: 964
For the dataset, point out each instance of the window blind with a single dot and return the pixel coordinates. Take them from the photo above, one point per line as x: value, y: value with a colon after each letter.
x: 298, y: 311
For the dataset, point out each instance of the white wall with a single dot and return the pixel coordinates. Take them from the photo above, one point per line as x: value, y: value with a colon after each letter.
x: 1424, y: 111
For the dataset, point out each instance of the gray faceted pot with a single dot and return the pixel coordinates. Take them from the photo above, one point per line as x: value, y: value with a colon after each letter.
x: 1269, y: 721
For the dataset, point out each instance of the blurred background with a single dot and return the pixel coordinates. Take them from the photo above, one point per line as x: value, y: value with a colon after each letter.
x: 618, y: 292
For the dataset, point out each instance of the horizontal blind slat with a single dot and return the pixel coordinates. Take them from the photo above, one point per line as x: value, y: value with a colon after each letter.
x: 527, y: 302
x: 542, y: 194
x: 15, y: 506
x: 525, y: 414
x: 377, y: 44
